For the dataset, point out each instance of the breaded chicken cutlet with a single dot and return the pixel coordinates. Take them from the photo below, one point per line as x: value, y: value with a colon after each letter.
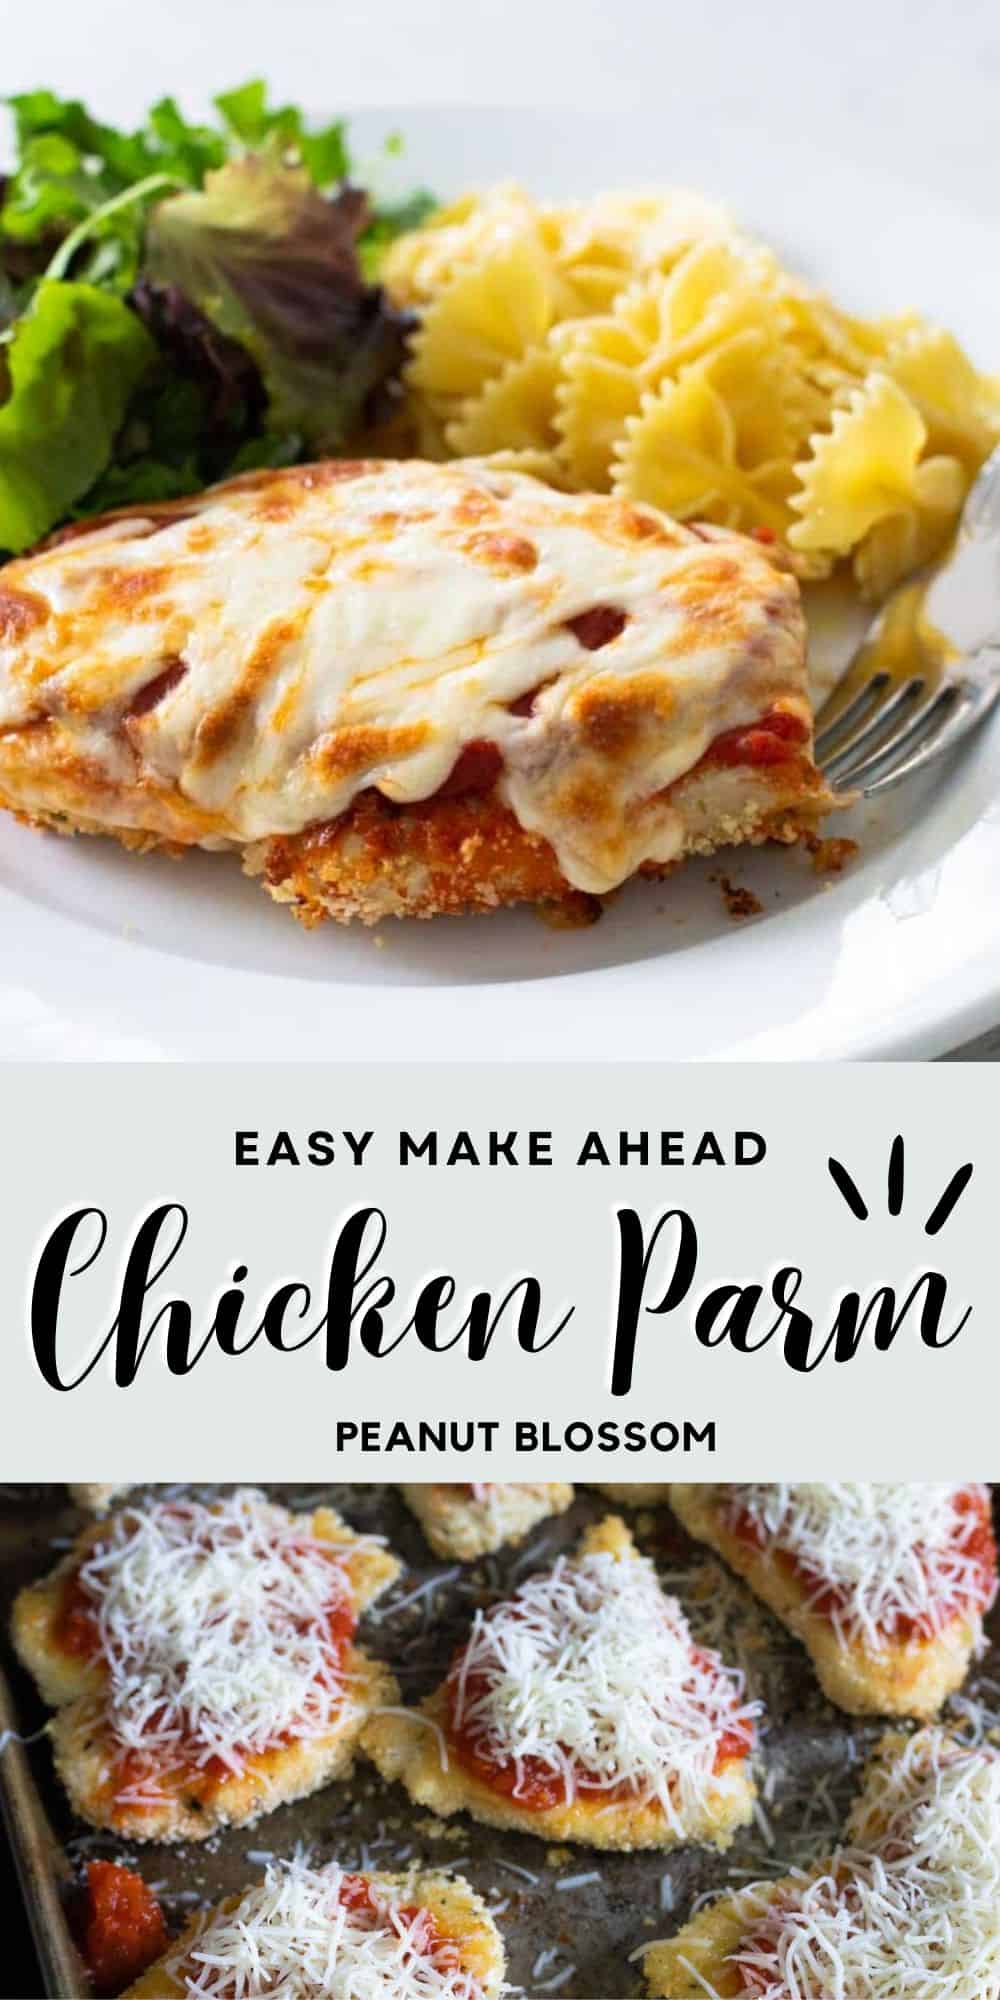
x: 580, y: 1709
x: 202, y: 1661
x: 885, y: 1585
x: 404, y: 689
x: 908, y: 1904
x: 316, y: 1931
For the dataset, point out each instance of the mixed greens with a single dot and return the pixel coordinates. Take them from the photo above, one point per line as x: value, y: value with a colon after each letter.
x: 182, y: 302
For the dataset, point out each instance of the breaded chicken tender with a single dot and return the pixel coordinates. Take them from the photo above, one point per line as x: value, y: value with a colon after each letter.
x: 405, y: 689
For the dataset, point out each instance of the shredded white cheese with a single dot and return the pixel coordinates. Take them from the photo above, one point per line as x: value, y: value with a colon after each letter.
x: 525, y: 1874
x: 887, y: 1553
x: 293, y: 1939
x: 975, y: 1713
x: 214, y: 1625
x: 423, y: 1590
x: 589, y: 1668
x: 909, y: 1912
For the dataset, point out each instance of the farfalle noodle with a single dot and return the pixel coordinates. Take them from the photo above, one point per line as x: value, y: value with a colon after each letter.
x: 636, y: 342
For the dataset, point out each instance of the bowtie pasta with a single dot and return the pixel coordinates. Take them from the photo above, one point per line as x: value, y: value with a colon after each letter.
x: 638, y: 344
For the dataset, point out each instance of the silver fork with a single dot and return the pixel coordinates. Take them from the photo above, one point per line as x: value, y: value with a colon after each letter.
x: 929, y: 669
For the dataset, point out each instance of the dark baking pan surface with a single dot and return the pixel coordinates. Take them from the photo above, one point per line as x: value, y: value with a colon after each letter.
x: 571, y: 1917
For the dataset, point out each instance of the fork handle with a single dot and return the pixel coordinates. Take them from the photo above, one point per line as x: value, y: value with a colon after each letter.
x: 981, y: 513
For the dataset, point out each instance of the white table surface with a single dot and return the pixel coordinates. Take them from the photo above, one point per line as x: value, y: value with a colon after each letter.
x: 901, y: 83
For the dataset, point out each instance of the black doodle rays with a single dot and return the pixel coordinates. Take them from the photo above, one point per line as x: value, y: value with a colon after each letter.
x: 895, y: 1187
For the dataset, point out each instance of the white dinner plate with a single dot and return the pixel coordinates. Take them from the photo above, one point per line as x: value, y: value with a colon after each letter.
x: 105, y: 955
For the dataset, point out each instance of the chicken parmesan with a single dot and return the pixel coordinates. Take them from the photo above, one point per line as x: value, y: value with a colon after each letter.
x: 886, y: 1585
x: 407, y: 689
x: 907, y: 1909
x: 651, y: 1495
x: 580, y: 1709
x: 320, y: 1933
x: 202, y: 1661
x: 95, y: 1496
x: 470, y: 1521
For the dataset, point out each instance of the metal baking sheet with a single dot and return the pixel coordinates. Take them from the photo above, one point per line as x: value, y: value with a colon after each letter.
x: 571, y: 1918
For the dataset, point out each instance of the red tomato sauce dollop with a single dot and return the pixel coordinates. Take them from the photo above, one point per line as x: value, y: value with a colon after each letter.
x: 122, y: 1929
x: 77, y: 1632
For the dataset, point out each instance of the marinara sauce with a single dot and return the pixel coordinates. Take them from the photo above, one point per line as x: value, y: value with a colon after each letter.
x: 531, y: 1780
x: 755, y: 1983
x: 121, y: 1927
x: 772, y: 740
x: 78, y: 1634
x: 827, y: 1599
x: 361, y: 1898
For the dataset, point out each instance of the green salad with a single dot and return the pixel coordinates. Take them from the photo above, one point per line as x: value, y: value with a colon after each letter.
x: 182, y: 302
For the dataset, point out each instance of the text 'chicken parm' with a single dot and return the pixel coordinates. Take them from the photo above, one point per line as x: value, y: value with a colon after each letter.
x: 408, y: 688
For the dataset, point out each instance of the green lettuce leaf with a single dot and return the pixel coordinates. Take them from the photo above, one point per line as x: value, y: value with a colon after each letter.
x: 69, y: 163
x: 139, y: 483
x: 274, y: 265
x: 240, y: 323
x: 255, y: 123
x: 73, y: 171
x: 72, y: 362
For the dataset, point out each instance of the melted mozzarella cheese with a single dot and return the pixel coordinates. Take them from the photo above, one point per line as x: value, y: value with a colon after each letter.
x: 909, y: 1911
x: 886, y: 1551
x: 332, y: 628
x: 214, y: 1627
x: 590, y: 1669
x: 293, y: 1937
